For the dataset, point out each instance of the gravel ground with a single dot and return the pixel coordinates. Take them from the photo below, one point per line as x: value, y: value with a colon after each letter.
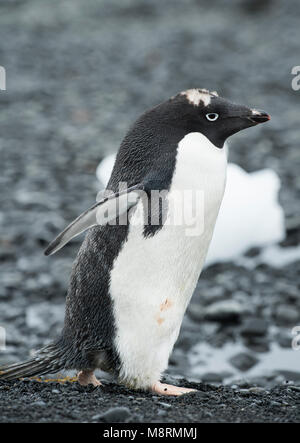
x: 52, y: 402
x: 78, y: 74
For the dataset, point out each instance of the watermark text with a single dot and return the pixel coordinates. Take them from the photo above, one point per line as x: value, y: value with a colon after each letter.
x: 296, y: 79
x: 2, y: 79
x: 181, y: 207
x: 296, y: 339
x: 2, y: 339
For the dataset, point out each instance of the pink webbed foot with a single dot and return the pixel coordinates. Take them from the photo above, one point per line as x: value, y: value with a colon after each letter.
x: 88, y: 378
x: 164, y: 389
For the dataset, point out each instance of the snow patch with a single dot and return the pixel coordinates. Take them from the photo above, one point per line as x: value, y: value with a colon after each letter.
x: 250, y: 214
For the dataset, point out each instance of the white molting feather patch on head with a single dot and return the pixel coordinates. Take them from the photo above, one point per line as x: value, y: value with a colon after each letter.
x: 195, y: 96
x: 255, y: 112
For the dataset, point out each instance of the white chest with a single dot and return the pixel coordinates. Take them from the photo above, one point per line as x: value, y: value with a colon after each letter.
x: 153, y: 278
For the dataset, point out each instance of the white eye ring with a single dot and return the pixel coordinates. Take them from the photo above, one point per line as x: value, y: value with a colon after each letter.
x: 212, y: 116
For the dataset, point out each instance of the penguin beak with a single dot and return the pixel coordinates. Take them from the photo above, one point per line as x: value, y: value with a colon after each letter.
x: 240, y: 118
x: 258, y: 116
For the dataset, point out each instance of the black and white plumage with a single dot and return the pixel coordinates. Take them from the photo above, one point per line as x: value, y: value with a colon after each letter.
x: 131, y: 283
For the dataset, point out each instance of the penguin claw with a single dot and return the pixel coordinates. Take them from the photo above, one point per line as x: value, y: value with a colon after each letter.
x: 164, y: 389
x: 86, y: 378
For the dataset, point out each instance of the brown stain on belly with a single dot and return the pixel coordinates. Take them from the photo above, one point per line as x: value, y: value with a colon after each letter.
x: 167, y: 304
x: 159, y: 320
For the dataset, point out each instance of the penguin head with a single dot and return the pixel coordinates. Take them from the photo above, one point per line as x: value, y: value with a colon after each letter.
x: 198, y: 110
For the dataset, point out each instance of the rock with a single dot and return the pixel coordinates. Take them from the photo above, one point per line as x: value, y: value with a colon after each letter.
x: 284, y: 338
x: 254, y: 327
x: 11, y: 279
x: 288, y: 290
x: 214, y: 377
x: 243, y: 361
x: 165, y: 405
x: 196, y: 311
x: 257, y: 390
x: 186, y: 340
x: 275, y: 403
x: 257, y: 344
x: 114, y: 415
x: 178, y: 360
x: 11, y: 314
x: 161, y: 413
x: 39, y: 403
x: 295, y: 388
x: 287, y: 315
x: 43, y: 316
x: 210, y: 295
x: 223, y: 311
x: 289, y: 375
x: 244, y: 392
x: 252, y: 252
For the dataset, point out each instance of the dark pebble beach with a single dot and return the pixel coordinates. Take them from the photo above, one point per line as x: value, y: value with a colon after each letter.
x: 78, y: 74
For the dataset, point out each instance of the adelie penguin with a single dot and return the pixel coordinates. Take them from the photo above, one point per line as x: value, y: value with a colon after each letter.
x: 132, y: 281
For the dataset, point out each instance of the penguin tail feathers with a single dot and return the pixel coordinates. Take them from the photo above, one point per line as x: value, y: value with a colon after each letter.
x: 49, y: 359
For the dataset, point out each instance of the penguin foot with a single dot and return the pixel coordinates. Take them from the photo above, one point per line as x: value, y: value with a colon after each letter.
x: 164, y: 389
x: 88, y: 378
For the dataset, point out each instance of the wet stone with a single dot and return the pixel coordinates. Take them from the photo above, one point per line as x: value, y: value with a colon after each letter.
x: 284, y: 338
x: 254, y: 327
x: 287, y: 315
x: 114, y: 415
x: 243, y: 361
x: 224, y: 311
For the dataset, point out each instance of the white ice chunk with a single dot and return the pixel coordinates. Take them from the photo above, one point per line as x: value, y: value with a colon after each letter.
x: 250, y: 214
x: 105, y: 168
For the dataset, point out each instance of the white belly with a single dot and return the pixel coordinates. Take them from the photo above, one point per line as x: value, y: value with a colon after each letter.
x: 153, y: 278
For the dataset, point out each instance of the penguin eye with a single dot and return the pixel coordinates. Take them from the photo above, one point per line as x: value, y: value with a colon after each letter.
x: 212, y: 116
